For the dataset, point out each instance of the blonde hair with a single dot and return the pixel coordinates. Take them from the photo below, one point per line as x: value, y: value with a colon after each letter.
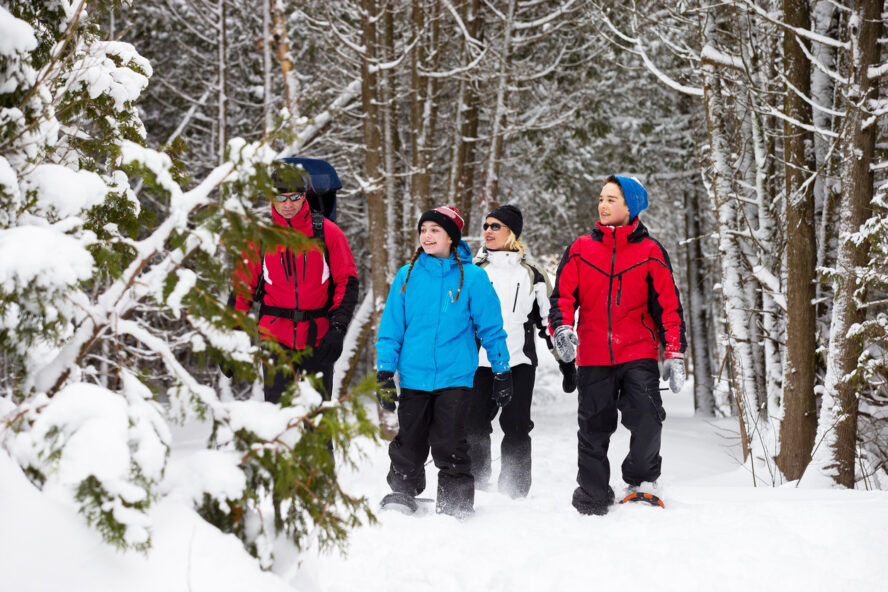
x: 513, y: 243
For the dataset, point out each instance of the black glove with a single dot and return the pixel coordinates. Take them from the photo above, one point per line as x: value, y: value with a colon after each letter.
x: 502, y: 388
x: 330, y: 347
x: 569, y: 376
x: 386, y: 393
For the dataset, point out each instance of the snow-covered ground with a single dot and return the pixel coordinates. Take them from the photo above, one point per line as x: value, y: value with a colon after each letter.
x: 718, y: 531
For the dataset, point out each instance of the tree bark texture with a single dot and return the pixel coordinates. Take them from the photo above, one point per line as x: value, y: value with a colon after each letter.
x: 838, y: 421
x: 799, y: 425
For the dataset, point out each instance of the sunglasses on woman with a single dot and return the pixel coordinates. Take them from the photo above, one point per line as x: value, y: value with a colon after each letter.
x: 494, y: 227
x: 282, y: 197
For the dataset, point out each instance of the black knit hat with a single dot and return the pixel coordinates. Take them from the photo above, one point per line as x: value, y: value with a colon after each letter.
x: 448, y: 218
x: 510, y: 216
x: 288, y: 178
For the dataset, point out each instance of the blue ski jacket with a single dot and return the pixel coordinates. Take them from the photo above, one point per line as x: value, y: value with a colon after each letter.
x: 428, y: 336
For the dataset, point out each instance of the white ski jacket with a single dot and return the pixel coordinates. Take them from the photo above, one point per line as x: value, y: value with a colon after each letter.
x: 523, y: 288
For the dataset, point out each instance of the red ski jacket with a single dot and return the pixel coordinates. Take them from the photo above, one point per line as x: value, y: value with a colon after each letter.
x: 621, y: 281
x: 303, y: 292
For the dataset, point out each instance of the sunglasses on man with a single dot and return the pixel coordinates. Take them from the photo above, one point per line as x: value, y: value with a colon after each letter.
x: 494, y: 227
x: 293, y: 196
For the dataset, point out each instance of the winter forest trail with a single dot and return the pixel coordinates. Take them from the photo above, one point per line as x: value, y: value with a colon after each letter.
x: 718, y: 531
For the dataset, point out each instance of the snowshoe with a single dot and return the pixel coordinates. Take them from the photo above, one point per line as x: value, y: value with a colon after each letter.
x: 399, y: 502
x: 641, y: 496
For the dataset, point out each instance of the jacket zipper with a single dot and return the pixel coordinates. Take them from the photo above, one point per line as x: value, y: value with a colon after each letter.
x: 304, y: 264
x: 515, y: 302
x: 610, y: 291
x: 619, y: 289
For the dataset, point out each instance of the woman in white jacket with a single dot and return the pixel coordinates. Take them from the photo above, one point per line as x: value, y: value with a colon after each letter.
x: 523, y: 288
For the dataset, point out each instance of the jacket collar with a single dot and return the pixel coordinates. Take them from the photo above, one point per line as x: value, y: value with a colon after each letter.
x: 301, y: 221
x: 632, y: 232
x: 436, y: 263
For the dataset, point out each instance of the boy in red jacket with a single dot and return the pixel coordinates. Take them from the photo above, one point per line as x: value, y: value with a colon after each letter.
x: 621, y: 281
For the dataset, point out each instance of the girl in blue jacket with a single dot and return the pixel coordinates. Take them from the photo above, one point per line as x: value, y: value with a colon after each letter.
x: 437, y: 307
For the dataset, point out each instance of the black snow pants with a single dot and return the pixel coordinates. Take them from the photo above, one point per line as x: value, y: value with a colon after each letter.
x: 433, y: 420
x: 515, y: 468
x: 633, y: 388
x: 276, y: 384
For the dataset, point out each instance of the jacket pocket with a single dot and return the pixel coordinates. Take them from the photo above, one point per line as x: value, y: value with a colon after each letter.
x: 649, y: 330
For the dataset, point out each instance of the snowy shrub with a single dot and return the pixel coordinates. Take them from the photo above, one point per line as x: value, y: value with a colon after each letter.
x: 114, y: 276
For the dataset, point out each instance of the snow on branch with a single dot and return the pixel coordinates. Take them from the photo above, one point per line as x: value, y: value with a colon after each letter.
x: 561, y: 10
x: 771, y: 283
x: 636, y: 43
x: 715, y: 56
x: 805, y: 33
x: 320, y: 121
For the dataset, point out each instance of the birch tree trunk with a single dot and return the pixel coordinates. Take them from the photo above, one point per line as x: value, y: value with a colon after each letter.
x: 742, y: 369
x: 838, y: 416
x: 799, y: 424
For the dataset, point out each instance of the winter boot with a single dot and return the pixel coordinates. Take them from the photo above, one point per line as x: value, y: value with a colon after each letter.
x: 399, y: 502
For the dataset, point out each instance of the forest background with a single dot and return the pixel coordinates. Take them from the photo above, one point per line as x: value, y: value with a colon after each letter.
x: 758, y: 128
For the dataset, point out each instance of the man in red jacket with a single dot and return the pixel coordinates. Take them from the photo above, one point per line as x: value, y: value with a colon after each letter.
x: 308, y: 295
x: 621, y: 281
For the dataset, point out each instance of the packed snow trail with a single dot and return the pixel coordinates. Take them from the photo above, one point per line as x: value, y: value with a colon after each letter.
x: 718, y: 531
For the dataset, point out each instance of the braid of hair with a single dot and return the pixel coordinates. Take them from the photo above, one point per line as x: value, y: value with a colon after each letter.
x: 458, y: 262
x: 412, y: 261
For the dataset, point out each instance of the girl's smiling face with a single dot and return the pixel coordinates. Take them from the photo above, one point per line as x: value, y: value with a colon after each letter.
x: 434, y: 240
x: 612, y: 208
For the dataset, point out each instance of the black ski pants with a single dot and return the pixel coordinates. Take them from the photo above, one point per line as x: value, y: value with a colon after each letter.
x: 433, y: 420
x: 633, y: 389
x: 514, y: 418
x: 276, y: 384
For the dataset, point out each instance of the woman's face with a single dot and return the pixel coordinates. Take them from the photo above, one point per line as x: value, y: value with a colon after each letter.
x: 434, y: 240
x: 495, y: 234
x: 612, y: 208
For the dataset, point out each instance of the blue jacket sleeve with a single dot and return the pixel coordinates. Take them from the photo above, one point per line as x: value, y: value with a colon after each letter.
x: 484, y: 306
x: 392, y: 327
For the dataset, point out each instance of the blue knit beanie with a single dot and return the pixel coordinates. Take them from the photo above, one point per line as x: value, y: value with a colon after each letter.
x: 635, y: 193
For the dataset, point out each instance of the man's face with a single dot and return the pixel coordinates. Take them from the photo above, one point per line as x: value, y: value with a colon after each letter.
x: 288, y: 208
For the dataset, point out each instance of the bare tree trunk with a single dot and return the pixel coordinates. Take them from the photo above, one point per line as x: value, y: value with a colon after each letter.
x: 223, y: 81
x: 799, y: 425
x: 291, y: 83
x: 376, y: 211
x: 388, y: 118
x: 742, y: 370
x: 704, y: 401
x: 463, y: 165
x: 267, y: 118
x: 500, y: 114
x: 838, y: 419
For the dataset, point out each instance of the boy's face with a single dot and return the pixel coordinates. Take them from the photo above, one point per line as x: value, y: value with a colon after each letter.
x: 612, y: 208
x: 434, y: 240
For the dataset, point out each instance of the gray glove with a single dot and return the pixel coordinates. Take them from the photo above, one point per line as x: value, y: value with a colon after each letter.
x: 566, y: 343
x: 674, y: 372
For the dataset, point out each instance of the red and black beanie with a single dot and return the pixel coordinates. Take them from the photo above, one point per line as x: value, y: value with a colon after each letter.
x: 448, y: 218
